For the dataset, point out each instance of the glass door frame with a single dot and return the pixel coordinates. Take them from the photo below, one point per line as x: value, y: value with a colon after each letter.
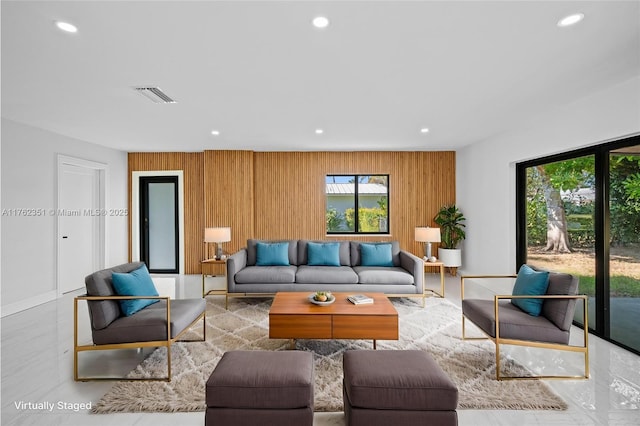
x: 144, y: 219
x: 602, y: 222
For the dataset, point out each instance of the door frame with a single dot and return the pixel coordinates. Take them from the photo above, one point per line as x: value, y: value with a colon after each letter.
x: 145, y: 234
x: 602, y: 223
x: 135, y: 212
x: 100, y: 249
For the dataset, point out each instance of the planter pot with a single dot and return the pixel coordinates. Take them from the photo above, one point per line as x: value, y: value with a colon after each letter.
x: 451, y: 258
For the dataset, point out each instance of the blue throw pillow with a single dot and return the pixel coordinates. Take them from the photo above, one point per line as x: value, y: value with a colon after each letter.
x: 376, y: 254
x: 272, y: 254
x: 530, y: 282
x: 134, y: 283
x: 323, y: 254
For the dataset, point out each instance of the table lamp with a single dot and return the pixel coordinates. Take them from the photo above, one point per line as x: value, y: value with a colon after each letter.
x: 425, y: 234
x: 218, y: 236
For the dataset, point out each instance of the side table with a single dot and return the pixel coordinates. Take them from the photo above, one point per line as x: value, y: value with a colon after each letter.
x: 436, y: 265
x: 214, y: 267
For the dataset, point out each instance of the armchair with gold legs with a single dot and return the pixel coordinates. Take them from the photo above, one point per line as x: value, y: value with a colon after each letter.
x: 506, y: 324
x: 159, y: 324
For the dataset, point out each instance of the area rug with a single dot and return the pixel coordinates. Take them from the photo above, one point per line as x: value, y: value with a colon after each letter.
x: 434, y: 329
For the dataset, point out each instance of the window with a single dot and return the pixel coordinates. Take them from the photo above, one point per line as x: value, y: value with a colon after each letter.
x: 579, y: 212
x: 357, y: 204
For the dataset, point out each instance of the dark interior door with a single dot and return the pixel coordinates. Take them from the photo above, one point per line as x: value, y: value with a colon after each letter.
x: 159, y: 223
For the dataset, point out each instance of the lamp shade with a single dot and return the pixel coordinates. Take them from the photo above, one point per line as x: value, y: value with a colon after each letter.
x: 427, y: 234
x: 217, y: 235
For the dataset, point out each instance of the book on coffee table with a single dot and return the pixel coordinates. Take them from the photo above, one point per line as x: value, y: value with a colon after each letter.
x: 359, y: 299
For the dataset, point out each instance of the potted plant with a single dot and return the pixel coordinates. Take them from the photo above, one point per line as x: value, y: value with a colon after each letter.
x: 450, y: 220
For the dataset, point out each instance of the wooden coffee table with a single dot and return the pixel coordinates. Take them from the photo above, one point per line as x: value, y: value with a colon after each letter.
x: 292, y: 316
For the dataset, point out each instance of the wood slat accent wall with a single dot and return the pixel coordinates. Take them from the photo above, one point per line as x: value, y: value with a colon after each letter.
x: 192, y: 165
x: 281, y: 195
x: 290, y: 192
x: 229, y: 194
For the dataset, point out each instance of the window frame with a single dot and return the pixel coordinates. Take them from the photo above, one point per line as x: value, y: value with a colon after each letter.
x: 356, y: 178
x: 602, y: 223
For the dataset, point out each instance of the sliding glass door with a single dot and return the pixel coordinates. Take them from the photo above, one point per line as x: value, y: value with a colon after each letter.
x: 624, y: 246
x: 579, y: 212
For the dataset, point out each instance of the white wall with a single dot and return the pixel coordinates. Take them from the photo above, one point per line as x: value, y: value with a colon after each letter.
x: 29, y: 176
x: 485, y: 177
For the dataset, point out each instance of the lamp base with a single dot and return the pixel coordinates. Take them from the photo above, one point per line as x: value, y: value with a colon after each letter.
x: 219, y: 251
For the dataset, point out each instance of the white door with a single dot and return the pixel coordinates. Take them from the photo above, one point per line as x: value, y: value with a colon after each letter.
x: 78, y: 225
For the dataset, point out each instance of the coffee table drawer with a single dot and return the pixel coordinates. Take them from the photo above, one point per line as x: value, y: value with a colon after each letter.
x: 382, y: 327
x: 300, y: 326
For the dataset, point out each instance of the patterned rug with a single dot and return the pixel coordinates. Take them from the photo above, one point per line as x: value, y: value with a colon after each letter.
x: 434, y: 329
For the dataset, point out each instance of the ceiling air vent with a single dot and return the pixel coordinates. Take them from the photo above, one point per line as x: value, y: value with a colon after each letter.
x: 154, y: 94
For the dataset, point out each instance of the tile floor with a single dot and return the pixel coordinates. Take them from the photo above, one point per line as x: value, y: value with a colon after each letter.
x: 37, y: 357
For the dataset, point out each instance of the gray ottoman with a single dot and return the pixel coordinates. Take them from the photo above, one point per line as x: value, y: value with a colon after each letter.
x: 397, y: 387
x: 261, y: 388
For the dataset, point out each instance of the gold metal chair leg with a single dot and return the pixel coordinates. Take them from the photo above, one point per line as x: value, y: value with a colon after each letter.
x: 169, y: 362
x: 497, y: 362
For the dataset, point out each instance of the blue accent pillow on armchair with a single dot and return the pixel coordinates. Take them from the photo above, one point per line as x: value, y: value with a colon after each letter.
x: 272, y: 254
x: 530, y: 282
x: 323, y: 254
x: 134, y: 283
x: 376, y: 254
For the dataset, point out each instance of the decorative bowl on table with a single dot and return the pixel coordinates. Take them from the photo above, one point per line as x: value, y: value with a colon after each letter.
x: 322, y: 298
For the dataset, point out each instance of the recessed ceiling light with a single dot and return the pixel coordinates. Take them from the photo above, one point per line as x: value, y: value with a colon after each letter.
x: 67, y: 27
x: 424, y: 130
x: 567, y: 21
x: 320, y: 22
x: 215, y: 132
x: 319, y: 131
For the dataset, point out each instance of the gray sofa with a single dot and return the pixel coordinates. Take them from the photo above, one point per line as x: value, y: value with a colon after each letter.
x: 245, y: 278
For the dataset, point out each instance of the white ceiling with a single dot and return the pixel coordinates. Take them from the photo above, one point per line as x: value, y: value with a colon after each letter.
x: 263, y: 76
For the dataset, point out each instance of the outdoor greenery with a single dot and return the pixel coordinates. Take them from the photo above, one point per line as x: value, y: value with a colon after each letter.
x: 334, y: 220
x: 450, y: 219
x: 575, y: 180
x: 572, y: 175
x: 620, y: 286
x: 370, y: 219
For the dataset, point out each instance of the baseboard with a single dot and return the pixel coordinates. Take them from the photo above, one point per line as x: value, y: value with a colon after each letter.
x: 14, y: 308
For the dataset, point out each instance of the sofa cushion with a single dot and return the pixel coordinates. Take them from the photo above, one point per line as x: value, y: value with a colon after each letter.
x: 530, y: 282
x: 323, y: 254
x: 382, y: 275
x: 251, y: 250
x: 150, y: 323
x: 326, y: 275
x: 355, y: 252
x: 266, y: 274
x: 103, y: 312
x: 344, y: 252
x: 514, y: 322
x: 272, y: 254
x: 134, y: 283
x: 376, y: 254
x: 560, y: 311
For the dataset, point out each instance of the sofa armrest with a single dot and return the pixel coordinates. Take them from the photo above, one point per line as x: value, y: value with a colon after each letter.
x: 415, y: 266
x: 235, y: 263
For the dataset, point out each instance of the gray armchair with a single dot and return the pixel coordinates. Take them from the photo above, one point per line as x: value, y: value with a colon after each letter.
x: 146, y: 328
x: 506, y: 324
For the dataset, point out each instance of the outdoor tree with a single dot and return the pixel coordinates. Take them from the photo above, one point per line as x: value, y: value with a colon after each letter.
x: 625, y: 199
x: 553, y: 178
